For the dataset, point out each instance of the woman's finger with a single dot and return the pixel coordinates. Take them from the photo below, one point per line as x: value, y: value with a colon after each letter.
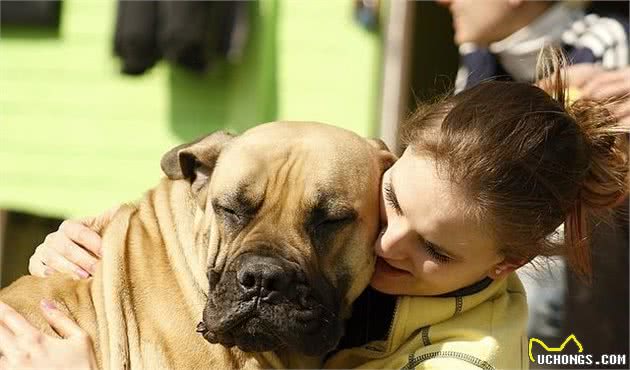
x: 82, y: 235
x: 78, y: 256
x: 622, y: 112
x: 62, y: 324
x: 608, y: 84
x: 7, y: 341
x: 578, y: 75
x: 4, y: 362
x: 15, y: 322
x: 605, y: 91
x: 53, y: 259
x: 36, y: 266
x: 598, y: 80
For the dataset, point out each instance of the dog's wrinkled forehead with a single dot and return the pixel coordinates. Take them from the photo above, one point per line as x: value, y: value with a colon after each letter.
x: 310, y: 156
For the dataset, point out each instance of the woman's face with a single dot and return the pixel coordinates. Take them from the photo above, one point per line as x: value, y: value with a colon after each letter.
x: 429, y: 245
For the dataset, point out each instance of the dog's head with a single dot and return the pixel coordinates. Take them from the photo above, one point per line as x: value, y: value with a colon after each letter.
x: 292, y: 213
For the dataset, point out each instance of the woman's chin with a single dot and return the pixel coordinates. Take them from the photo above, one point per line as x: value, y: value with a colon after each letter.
x: 393, y: 288
x: 383, y: 288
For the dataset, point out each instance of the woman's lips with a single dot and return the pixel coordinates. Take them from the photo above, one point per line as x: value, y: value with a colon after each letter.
x: 385, y: 268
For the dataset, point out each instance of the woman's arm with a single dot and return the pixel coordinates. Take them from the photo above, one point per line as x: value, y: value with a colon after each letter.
x: 75, y: 248
x: 22, y: 346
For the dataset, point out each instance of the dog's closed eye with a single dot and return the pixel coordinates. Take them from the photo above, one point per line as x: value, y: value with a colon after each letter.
x: 335, y: 221
x: 229, y: 214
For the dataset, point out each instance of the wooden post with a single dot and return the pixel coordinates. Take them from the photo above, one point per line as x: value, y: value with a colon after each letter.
x: 396, y: 65
x: 3, y: 223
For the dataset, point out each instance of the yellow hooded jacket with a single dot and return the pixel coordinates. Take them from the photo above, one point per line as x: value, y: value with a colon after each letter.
x: 482, y: 330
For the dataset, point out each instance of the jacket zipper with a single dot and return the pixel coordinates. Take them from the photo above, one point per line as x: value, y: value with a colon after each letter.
x: 391, y: 324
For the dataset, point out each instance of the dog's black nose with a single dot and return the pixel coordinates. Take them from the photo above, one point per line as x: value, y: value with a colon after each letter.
x: 267, y: 276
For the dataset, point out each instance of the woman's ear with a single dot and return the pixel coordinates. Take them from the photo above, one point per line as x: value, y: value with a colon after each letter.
x: 505, y: 267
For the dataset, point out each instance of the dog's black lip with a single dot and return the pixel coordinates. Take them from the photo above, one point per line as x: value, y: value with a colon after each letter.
x: 201, y: 328
x: 244, y: 315
x: 226, y: 338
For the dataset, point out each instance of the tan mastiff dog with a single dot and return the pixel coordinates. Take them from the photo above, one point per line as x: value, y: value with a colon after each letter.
x: 266, y: 238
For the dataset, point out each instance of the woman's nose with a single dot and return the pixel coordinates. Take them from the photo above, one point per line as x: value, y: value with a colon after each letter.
x: 390, y: 243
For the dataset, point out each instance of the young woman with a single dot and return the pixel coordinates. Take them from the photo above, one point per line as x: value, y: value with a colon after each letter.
x: 486, y: 178
x: 500, y: 39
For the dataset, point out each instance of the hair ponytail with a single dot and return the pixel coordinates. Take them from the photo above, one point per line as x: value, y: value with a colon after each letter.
x: 606, y: 179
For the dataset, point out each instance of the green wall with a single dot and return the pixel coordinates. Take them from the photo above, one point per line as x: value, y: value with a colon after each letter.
x: 77, y: 137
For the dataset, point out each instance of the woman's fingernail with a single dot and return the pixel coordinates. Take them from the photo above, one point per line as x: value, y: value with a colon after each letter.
x: 49, y: 305
x: 82, y: 273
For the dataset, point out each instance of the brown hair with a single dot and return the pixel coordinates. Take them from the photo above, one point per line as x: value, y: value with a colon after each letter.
x: 528, y: 160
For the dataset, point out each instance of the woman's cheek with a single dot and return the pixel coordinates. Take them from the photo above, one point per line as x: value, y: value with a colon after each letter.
x: 424, y: 266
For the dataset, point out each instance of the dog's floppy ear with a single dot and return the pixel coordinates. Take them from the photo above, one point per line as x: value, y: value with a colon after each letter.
x: 386, y: 156
x: 195, y: 161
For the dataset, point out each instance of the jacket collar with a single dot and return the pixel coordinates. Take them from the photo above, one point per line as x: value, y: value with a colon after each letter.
x: 415, y: 312
x: 518, y: 52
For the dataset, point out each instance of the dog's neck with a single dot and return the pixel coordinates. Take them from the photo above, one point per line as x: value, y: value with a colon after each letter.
x: 187, y: 255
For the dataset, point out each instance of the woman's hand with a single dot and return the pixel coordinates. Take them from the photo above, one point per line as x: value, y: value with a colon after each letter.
x: 24, y: 347
x: 74, y: 249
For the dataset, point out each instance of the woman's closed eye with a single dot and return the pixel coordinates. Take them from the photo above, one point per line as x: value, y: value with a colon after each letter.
x: 434, y: 254
x: 390, y: 198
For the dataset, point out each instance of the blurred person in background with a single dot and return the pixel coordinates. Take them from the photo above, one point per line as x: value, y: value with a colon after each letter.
x: 500, y: 39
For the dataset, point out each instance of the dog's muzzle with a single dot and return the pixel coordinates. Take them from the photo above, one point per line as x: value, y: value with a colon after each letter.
x: 265, y: 303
